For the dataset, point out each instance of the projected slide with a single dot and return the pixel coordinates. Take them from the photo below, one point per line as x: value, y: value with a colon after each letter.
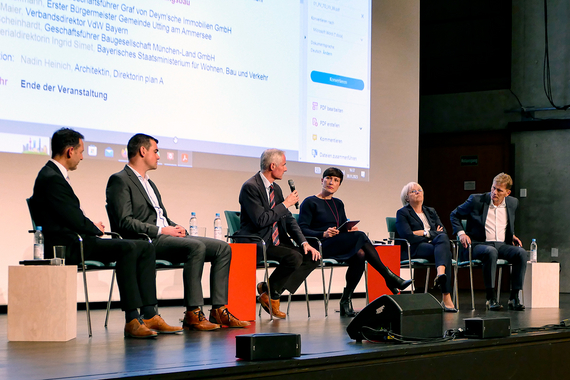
x: 229, y: 77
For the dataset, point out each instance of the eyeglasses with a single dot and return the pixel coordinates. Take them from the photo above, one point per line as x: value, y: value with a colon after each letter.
x: 415, y: 191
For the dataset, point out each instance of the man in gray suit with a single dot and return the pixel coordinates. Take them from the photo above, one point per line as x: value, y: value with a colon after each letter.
x: 491, y: 232
x: 135, y: 206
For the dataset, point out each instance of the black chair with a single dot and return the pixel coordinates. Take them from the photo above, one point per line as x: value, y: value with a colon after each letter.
x: 233, y: 221
x: 86, y: 266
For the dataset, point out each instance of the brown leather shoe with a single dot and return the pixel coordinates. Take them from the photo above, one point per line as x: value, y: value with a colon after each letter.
x: 261, y: 288
x: 196, y: 320
x: 158, y: 324
x: 222, y: 316
x: 134, y: 329
x: 264, y: 301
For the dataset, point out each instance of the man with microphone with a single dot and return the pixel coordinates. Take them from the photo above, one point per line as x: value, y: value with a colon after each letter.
x: 264, y: 213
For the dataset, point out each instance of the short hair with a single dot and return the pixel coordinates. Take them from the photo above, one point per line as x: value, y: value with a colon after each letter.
x: 138, y: 140
x: 62, y: 139
x: 333, y: 172
x: 405, y: 191
x: 504, y: 179
x: 268, y: 157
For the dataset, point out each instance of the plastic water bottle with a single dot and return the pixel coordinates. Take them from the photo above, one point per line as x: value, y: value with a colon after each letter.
x: 218, y: 227
x: 533, y: 251
x: 193, y: 225
x: 38, y: 244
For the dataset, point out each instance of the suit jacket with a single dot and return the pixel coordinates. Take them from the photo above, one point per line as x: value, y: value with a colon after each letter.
x: 407, y: 221
x: 257, y: 217
x: 55, y: 207
x: 129, y: 207
x: 475, y: 210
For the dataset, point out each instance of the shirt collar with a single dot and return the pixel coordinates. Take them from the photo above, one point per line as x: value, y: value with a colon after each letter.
x: 503, y: 204
x: 146, y: 177
x: 266, y: 182
x: 61, y: 168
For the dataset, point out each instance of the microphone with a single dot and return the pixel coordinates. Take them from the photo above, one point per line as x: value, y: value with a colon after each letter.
x: 292, y: 187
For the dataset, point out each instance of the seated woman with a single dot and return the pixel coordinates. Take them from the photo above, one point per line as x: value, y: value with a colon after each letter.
x: 423, y: 229
x: 320, y: 216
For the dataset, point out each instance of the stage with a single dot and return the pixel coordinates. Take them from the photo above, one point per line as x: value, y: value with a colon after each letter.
x: 327, y: 351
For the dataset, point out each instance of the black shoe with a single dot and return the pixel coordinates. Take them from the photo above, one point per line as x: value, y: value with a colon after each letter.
x: 493, y: 305
x: 440, y: 281
x: 346, y: 309
x: 515, y: 304
x: 399, y: 286
x: 448, y: 309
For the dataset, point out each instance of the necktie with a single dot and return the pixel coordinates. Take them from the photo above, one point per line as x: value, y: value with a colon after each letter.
x: 275, y: 230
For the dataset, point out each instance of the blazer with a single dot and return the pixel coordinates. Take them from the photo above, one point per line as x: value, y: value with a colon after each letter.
x: 407, y: 221
x: 257, y: 217
x: 129, y: 207
x: 475, y: 210
x: 55, y: 207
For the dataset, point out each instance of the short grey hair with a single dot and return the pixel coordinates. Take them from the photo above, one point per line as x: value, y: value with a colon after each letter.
x: 268, y: 157
x: 405, y: 191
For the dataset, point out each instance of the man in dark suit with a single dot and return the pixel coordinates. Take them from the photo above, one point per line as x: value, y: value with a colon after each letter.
x: 264, y: 213
x: 135, y: 206
x: 56, y: 208
x: 491, y: 232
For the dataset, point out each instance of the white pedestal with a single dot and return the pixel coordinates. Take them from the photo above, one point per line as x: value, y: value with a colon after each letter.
x: 42, y: 303
x: 541, y: 285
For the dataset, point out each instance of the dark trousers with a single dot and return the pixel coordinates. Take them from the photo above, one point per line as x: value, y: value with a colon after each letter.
x: 438, y: 250
x: 136, y: 263
x: 294, y: 266
x: 193, y: 251
x: 489, y: 252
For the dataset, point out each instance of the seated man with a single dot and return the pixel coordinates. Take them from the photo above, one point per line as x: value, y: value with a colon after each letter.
x: 491, y: 232
x: 264, y: 212
x: 55, y: 207
x: 135, y: 206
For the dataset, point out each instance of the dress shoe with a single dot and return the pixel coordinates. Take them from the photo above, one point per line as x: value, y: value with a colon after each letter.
x: 346, y: 309
x: 136, y: 329
x: 264, y: 301
x: 222, y: 316
x: 393, y: 282
x: 196, y: 320
x: 158, y: 324
x: 493, y: 305
x: 515, y: 304
x: 440, y: 281
x: 448, y: 309
x: 261, y: 288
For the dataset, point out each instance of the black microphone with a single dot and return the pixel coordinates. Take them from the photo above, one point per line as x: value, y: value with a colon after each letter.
x: 292, y: 187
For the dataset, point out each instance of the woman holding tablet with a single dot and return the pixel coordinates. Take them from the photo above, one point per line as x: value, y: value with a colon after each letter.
x: 322, y: 216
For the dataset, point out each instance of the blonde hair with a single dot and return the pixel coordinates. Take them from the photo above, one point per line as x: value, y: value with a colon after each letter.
x: 504, y: 179
x: 406, y: 190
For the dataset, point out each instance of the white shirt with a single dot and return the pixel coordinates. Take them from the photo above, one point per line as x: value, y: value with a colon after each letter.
x: 267, y: 185
x: 496, y: 223
x: 61, y: 168
x: 424, y: 220
x: 160, y: 219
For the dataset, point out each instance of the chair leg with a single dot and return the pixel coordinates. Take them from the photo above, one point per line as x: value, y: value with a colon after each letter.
x: 110, y: 295
x: 288, y: 303
x: 324, y: 290
x: 471, y: 280
x: 499, y: 284
x: 88, y: 311
x: 307, y: 298
x: 428, y: 270
x: 455, y: 288
x: 366, y: 282
x: 330, y: 284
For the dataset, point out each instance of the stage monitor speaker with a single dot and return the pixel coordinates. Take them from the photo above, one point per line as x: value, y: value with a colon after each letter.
x: 487, y: 327
x: 268, y: 346
x: 413, y: 316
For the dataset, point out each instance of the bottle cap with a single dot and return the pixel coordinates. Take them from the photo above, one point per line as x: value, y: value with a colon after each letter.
x: 193, y: 213
x: 38, y: 228
x: 217, y: 215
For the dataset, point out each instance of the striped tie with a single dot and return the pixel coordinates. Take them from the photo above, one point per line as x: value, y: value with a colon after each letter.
x: 275, y: 230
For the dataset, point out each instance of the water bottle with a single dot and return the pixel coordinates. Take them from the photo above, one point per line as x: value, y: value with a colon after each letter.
x: 193, y: 225
x: 533, y: 251
x: 218, y: 227
x: 38, y: 244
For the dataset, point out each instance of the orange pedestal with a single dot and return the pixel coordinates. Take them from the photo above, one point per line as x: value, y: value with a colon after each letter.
x: 241, y: 293
x: 390, y: 256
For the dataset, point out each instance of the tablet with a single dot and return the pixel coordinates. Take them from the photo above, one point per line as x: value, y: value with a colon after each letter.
x: 348, y: 225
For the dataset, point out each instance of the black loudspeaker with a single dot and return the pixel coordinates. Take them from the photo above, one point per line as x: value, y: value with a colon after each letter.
x: 268, y: 346
x: 413, y: 316
x: 487, y: 327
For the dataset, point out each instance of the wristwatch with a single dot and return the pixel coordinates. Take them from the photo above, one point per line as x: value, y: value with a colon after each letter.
x: 425, y: 233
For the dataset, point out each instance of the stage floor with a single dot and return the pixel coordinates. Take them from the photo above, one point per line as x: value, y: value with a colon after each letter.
x: 108, y: 355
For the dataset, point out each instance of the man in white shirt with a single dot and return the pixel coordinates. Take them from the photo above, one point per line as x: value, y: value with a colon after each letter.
x: 491, y: 232
x: 135, y: 206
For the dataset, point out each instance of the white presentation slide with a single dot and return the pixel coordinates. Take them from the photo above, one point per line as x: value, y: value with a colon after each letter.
x: 229, y: 77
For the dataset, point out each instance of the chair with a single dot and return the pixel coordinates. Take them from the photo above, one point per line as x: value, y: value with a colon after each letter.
x: 233, y: 221
x: 85, y: 266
